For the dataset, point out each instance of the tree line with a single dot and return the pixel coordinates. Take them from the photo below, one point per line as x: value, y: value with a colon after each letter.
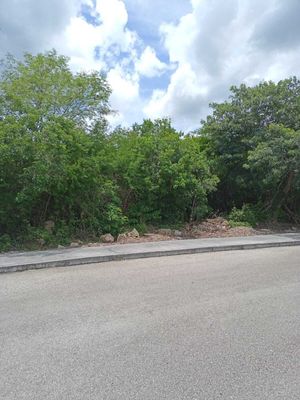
x: 61, y: 162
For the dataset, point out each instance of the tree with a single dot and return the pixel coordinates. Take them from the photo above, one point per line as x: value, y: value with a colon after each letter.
x: 276, y: 163
x: 237, y: 126
x: 161, y: 175
x: 52, y: 138
x: 43, y: 87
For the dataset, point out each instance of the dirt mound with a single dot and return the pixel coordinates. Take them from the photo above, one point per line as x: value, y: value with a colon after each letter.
x: 216, y: 227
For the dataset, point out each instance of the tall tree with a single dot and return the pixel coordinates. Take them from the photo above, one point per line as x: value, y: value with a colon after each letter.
x: 43, y: 87
x: 52, y: 125
x: 275, y: 162
x: 237, y: 126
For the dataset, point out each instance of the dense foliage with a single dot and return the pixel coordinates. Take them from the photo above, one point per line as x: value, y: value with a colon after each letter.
x: 161, y: 176
x: 59, y: 162
x: 254, y: 139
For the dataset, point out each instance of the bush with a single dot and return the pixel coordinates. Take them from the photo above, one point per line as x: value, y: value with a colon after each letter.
x: 37, y: 235
x: 245, y: 216
x: 5, y: 243
x: 114, y: 220
x: 236, y: 224
x: 141, y: 228
x: 62, y: 233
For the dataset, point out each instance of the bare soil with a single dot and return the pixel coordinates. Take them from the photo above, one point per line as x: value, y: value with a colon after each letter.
x: 210, y: 228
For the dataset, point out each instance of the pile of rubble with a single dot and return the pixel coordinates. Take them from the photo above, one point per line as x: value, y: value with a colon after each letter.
x: 211, y: 227
x: 216, y: 227
x: 125, y: 237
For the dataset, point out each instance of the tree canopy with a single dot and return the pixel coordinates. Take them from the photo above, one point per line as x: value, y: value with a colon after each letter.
x: 60, y: 162
x: 43, y: 87
x: 251, y: 135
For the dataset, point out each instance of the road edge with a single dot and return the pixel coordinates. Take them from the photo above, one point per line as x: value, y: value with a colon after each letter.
x: 140, y: 255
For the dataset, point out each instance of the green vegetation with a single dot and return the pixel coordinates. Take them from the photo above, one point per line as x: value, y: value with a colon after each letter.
x: 254, y: 140
x: 60, y: 163
x: 246, y: 216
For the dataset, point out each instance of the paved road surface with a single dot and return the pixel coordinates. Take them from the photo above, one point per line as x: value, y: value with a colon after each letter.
x: 197, y: 327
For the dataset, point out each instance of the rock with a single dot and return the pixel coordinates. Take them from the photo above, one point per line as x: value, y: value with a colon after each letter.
x: 107, y: 238
x: 165, y: 232
x: 74, y: 244
x: 133, y: 234
x: 121, y: 238
x: 177, y: 233
x: 41, y: 241
x: 49, y: 226
x: 60, y: 246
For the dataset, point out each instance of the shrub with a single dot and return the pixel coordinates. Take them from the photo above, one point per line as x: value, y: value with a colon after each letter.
x: 245, y: 216
x: 5, y: 243
x: 141, y: 228
x: 114, y: 220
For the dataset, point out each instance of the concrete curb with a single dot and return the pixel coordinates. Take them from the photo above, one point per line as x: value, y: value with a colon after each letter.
x: 144, y: 254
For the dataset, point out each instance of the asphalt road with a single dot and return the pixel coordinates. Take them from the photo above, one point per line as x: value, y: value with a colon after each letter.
x: 198, y: 327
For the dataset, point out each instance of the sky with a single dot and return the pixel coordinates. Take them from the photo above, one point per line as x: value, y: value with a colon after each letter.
x: 163, y: 58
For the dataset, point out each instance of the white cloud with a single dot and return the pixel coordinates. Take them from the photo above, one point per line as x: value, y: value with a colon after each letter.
x: 80, y: 37
x: 221, y: 44
x: 125, y: 87
x: 112, y: 37
x: 149, y: 65
x: 114, y: 18
x: 107, y: 45
x: 211, y: 47
x: 78, y: 41
x: 29, y: 25
x: 148, y: 15
x: 185, y: 91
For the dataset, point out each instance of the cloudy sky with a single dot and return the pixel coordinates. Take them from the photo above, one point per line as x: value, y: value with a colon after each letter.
x: 162, y: 57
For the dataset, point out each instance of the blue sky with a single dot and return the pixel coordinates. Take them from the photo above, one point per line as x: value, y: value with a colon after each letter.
x: 162, y: 58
